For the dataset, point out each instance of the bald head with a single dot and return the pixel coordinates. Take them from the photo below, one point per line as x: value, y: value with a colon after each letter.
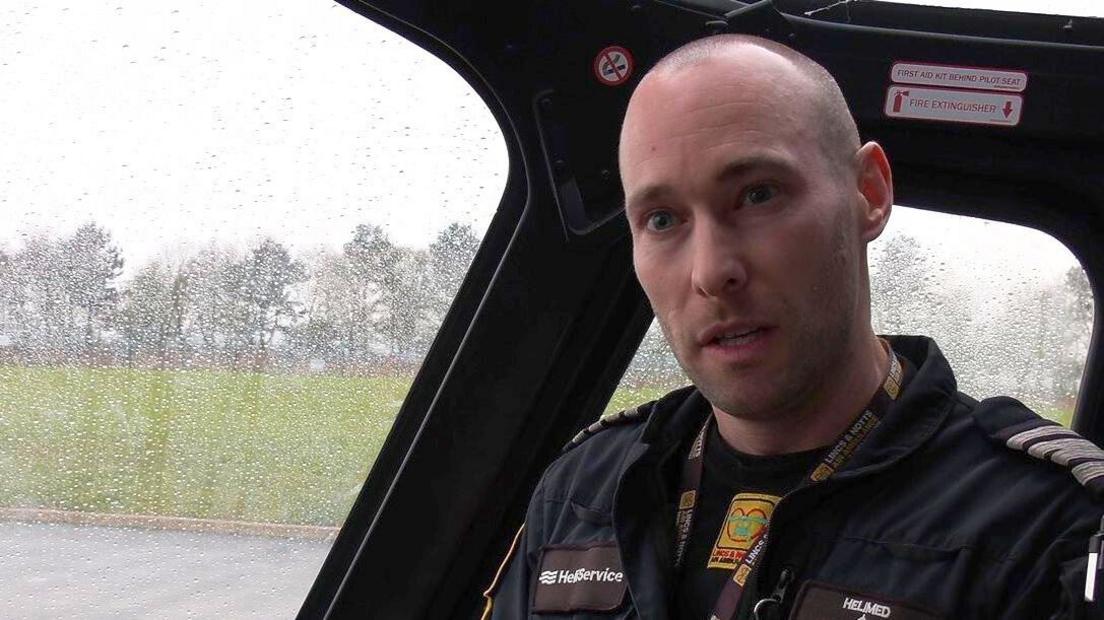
x: 805, y: 80
x: 751, y: 204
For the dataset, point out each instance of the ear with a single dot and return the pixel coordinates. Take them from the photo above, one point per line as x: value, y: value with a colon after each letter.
x: 875, y: 188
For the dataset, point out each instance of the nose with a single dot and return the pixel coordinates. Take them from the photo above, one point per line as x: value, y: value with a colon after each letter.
x: 719, y: 267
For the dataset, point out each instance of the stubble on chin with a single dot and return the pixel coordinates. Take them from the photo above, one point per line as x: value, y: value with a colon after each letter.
x: 770, y: 395
x: 820, y: 338
x: 766, y: 395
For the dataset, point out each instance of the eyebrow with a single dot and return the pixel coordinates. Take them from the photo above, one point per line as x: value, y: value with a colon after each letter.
x: 740, y: 167
x: 650, y: 193
x: 731, y: 170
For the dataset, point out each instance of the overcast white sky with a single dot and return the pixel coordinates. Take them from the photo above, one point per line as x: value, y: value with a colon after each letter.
x: 233, y: 119
x: 176, y: 124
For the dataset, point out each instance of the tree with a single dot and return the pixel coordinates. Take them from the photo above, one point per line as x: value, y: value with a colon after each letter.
x: 450, y: 255
x: 1077, y: 325
x: 335, y: 329
x: 264, y: 280
x: 7, y: 291
x: 407, y: 324
x: 372, y: 256
x: 8, y: 303
x: 1031, y: 345
x: 400, y: 291
x: 901, y: 287
x: 234, y: 309
x: 909, y: 296
x: 58, y: 296
x: 152, y: 316
x: 33, y: 295
x: 374, y: 268
x: 90, y: 265
x: 216, y: 323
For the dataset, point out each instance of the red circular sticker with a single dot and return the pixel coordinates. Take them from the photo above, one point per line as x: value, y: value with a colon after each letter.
x: 613, y: 66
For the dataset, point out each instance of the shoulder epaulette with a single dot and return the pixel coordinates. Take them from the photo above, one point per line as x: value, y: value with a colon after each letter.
x: 627, y: 416
x: 1010, y: 423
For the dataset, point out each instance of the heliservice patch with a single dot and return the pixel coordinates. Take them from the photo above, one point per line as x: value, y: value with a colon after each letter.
x: 748, y: 515
x: 579, y: 578
x: 822, y: 601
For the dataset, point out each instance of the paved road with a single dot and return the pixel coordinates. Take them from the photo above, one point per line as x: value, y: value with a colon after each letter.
x: 55, y: 571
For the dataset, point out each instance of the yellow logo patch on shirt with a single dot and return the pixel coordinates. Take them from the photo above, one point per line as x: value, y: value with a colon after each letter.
x: 747, y: 518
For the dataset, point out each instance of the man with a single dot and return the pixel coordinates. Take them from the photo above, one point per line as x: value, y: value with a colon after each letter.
x: 813, y: 471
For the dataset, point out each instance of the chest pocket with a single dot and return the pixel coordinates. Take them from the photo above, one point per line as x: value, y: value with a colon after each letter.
x: 580, y: 581
x: 933, y: 582
x: 578, y: 574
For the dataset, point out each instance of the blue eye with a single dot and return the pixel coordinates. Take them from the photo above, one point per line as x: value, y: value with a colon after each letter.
x: 660, y: 221
x: 758, y: 194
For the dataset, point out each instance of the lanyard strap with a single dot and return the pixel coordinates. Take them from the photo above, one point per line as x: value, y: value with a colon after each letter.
x: 729, y: 599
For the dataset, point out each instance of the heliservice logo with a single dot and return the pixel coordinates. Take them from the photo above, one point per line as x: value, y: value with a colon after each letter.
x: 580, y: 575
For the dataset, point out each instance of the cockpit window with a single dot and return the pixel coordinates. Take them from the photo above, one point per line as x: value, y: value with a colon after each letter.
x: 229, y: 236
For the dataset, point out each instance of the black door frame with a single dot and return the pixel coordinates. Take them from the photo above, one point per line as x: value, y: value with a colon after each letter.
x: 550, y: 313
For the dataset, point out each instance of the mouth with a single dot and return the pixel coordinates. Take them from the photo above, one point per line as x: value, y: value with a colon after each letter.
x: 735, y: 338
x: 731, y: 334
x: 742, y: 343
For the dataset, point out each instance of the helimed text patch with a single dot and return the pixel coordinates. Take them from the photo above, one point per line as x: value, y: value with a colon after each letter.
x: 579, y: 578
x: 821, y: 601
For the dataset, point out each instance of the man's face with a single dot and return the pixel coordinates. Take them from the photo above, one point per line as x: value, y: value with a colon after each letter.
x: 745, y: 234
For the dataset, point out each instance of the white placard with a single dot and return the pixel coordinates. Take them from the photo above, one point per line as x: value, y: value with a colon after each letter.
x: 977, y: 78
x: 956, y: 106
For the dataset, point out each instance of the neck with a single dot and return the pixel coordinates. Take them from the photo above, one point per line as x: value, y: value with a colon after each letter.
x: 822, y: 418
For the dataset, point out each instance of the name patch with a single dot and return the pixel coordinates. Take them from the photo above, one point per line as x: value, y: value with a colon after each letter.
x: 821, y: 601
x: 579, y: 578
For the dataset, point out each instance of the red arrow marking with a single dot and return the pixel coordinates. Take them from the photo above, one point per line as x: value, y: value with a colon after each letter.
x: 1007, y: 109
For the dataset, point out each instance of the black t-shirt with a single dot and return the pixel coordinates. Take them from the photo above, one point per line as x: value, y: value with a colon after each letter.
x: 738, y: 494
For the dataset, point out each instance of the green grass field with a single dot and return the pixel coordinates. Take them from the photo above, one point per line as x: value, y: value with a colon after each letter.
x: 202, y: 444
x: 205, y: 444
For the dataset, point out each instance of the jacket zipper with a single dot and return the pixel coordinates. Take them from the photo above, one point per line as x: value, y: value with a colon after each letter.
x: 768, y: 608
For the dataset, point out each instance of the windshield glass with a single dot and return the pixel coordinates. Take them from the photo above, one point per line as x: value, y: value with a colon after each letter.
x: 230, y: 231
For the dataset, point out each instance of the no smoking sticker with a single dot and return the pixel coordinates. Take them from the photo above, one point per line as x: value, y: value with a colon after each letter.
x: 613, y: 66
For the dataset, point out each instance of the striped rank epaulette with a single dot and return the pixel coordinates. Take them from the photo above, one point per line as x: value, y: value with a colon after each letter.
x: 1010, y: 423
x: 632, y: 414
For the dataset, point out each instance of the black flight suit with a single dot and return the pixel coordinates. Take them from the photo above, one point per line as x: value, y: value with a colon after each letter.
x: 933, y: 517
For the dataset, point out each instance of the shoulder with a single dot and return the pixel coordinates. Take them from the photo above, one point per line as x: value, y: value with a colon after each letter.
x: 600, y: 450
x: 1018, y: 476
x: 1021, y: 435
x: 597, y: 455
x: 967, y: 486
x: 626, y: 417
